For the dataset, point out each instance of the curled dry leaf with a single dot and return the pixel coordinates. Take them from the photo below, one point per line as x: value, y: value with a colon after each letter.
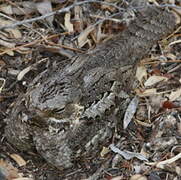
x: 152, y: 80
x: 2, y: 83
x: 23, y: 72
x: 141, y: 73
x: 19, y: 160
x: 127, y: 154
x: 175, y: 42
x: 177, y: 15
x: 104, y: 151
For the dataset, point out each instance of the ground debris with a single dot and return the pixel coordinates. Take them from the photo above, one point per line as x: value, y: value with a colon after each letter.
x: 153, y: 127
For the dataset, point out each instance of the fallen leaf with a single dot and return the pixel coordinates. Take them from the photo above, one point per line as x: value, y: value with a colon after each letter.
x: 23, y: 72
x: 104, y: 151
x: 138, y: 177
x: 7, y: 9
x: 68, y: 24
x: 154, y: 79
x: 161, y: 164
x: 156, y: 100
x: 7, y: 44
x: 146, y: 92
x: 2, y: 84
x: 117, y: 178
x: 23, y: 178
x: 19, y: 160
x: 168, y: 105
x: 82, y: 39
x: 175, y: 95
x: 130, y: 111
x: 45, y: 7
x: 27, y: 7
x: 127, y: 154
x: 9, y: 52
x: 14, y: 32
x: 141, y: 73
x: 78, y: 19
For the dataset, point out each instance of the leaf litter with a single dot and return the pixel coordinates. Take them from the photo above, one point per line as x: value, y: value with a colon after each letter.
x: 153, y: 132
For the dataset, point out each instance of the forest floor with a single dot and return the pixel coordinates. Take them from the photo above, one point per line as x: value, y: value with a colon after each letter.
x: 30, y: 47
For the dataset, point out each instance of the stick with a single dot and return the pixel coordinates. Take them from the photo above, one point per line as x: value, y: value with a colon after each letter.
x: 70, y: 7
x: 58, y: 12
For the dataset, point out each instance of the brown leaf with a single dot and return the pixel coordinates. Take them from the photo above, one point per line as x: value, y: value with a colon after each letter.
x: 19, y: 160
x: 168, y: 105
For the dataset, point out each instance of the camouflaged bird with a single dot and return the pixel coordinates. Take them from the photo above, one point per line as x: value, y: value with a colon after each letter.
x: 72, y: 112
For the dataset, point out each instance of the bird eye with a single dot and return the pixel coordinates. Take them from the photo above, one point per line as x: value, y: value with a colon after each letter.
x: 59, y: 110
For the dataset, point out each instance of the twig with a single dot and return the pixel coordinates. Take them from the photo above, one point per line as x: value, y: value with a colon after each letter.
x: 38, y: 41
x: 101, y: 21
x: 73, y: 5
x: 58, y: 12
x: 168, y: 161
x: 7, y: 17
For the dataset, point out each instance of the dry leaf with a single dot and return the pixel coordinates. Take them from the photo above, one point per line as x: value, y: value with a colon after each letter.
x: 14, y: 32
x: 7, y: 9
x: 161, y: 164
x: 177, y: 15
x: 146, y: 92
x: 104, y: 151
x: 168, y: 105
x: 23, y: 178
x: 45, y: 7
x: 2, y: 84
x: 177, y: 10
x: 82, y: 39
x: 78, y: 19
x: 130, y: 111
x: 19, y: 160
x: 23, y: 72
x: 127, y: 154
x: 138, y: 177
x: 27, y: 7
x: 175, y: 95
x: 9, y: 52
x: 141, y: 73
x: 117, y: 178
x: 154, y: 79
x: 67, y: 23
x: 7, y: 44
